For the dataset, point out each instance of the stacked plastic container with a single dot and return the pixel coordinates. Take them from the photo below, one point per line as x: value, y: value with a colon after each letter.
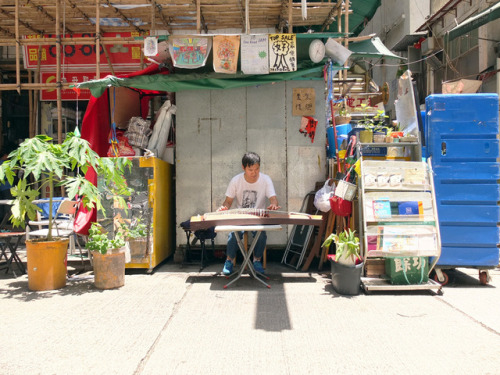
x: 461, y: 137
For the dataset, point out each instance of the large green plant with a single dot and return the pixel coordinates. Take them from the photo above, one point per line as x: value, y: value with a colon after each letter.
x: 42, y: 164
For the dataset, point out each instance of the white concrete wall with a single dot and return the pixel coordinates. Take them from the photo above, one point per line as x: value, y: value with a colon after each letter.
x: 214, y: 128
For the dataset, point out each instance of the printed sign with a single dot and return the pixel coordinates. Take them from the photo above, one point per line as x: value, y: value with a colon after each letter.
x: 254, y: 54
x: 67, y: 94
x: 226, y: 50
x: 282, y: 53
x: 124, y: 58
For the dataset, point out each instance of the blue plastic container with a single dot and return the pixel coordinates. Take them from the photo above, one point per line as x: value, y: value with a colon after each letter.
x: 461, y: 137
x: 342, y: 131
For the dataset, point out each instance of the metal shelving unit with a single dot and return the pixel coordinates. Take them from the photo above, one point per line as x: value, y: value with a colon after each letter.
x: 384, y: 187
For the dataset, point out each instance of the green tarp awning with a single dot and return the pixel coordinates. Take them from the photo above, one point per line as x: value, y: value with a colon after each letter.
x: 490, y: 14
x: 198, y: 81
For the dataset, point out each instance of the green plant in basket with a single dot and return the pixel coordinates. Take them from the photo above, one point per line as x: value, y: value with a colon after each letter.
x: 347, y: 246
x: 134, y: 231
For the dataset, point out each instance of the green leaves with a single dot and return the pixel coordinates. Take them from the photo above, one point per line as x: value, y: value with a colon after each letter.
x: 346, y: 241
x: 99, y: 241
x: 50, y: 164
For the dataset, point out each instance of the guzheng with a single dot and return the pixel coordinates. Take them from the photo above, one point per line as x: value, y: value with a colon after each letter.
x: 250, y: 216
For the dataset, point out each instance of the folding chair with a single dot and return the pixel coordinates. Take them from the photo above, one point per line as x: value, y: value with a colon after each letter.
x: 63, y: 222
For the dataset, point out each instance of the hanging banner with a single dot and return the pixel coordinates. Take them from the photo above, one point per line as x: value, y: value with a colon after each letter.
x: 254, y: 54
x: 226, y: 49
x: 189, y: 52
x: 282, y: 53
x: 78, y: 58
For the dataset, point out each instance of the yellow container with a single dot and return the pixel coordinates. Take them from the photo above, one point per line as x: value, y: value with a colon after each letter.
x: 46, y: 264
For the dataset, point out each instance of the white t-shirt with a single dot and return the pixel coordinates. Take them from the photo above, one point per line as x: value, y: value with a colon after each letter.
x: 249, y: 195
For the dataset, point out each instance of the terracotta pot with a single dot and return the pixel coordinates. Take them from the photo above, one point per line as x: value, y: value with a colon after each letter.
x: 109, y: 269
x: 46, y: 264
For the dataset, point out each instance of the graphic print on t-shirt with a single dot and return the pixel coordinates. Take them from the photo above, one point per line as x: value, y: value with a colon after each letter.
x: 249, y: 199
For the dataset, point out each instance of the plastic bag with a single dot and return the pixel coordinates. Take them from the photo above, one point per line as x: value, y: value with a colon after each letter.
x: 322, y: 196
x: 121, y: 148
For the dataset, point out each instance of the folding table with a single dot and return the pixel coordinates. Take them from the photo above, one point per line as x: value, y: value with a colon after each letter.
x: 6, y: 242
x: 247, y: 255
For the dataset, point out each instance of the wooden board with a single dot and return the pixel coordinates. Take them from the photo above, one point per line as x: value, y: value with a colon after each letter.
x: 212, y: 219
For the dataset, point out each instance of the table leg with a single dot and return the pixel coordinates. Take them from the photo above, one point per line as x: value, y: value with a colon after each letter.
x: 14, y: 256
x: 246, y: 261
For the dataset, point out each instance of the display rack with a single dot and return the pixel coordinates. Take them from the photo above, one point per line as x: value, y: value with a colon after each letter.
x: 398, y: 221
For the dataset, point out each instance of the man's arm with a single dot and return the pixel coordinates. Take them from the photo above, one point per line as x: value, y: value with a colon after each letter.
x: 274, y: 203
x: 226, y: 205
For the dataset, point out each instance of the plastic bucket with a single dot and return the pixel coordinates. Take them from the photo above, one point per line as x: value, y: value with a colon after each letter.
x: 346, y: 279
x: 46, y: 264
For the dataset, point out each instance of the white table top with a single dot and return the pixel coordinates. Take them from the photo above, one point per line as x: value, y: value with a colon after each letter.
x: 247, y: 228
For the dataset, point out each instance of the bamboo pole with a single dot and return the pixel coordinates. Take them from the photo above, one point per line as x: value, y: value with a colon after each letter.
x: 97, y: 40
x: 346, y: 43
x: 58, y: 73
x: 71, y: 41
x: 290, y: 16
x: 198, y: 16
x: 247, y: 16
x: 30, y: 104
x: 18, y: 58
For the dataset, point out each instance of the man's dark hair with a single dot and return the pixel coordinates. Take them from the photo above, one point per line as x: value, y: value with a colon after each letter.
x: 249, y: 159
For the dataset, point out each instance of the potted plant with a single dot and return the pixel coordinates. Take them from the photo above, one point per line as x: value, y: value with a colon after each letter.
x: 342, y: 116
x: 136, y: 235
x: 347, y: 264
x: 45, y: 165
x: 108, y: 256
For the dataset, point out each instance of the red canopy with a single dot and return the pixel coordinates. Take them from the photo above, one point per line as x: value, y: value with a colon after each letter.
x: 96, y: 125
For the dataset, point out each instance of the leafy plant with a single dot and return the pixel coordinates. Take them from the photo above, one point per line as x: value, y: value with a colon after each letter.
x: 376, y: 122
x: 137, y: 230
x: 98, y: 239
x: 45, y: 164
x: 347, y: 244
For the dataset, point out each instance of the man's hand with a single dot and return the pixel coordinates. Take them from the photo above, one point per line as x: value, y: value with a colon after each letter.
x: 273, y: 207
x: 222, y: 208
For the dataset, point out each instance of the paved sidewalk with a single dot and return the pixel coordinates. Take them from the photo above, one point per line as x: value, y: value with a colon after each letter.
x: 180, y: 321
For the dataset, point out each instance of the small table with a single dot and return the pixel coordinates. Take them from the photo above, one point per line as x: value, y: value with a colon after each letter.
x: 6, y: 243
x: 247, y: 255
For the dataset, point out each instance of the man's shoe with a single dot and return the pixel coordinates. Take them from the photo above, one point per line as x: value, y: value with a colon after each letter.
x: 257, y: 265
x: 228, y: 268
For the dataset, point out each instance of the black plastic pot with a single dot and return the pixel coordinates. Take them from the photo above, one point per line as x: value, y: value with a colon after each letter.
x: 346, y: 279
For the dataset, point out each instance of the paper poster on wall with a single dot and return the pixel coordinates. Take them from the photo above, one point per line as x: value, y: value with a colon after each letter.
x: 226, y: 49
x: 304, y: 102
x: 189, y: 52
x: 254, y: 54
x: 282, y: 53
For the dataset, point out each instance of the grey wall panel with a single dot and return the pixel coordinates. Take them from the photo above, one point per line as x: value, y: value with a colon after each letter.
x: 215, y: 128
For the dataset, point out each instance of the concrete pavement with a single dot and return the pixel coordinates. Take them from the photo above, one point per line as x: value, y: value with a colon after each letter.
x: 181, y: 321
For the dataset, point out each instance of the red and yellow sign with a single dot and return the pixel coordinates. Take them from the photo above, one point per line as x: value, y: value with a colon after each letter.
x: 123, y: 58
x: 69, y: 93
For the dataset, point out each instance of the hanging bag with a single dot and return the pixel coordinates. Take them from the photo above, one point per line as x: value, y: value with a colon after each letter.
x: 322, y: 196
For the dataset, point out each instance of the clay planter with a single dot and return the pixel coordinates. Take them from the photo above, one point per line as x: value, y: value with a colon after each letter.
x: 46, y: 264
x: 109, y: 269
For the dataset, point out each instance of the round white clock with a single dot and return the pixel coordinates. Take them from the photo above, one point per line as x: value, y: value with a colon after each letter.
x: 316, y: 50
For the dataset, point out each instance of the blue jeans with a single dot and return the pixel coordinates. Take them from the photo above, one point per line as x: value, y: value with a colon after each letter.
x: 232, y: 245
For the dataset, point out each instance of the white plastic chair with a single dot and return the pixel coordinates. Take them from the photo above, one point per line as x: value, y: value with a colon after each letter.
x: 63, y: 224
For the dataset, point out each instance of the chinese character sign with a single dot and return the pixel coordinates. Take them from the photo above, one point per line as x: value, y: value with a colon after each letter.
x: 254, y: 54
x: 78, y: 58
x: 282, y: 53
x: 226, y: 48
x: 190, y: 52
x: 303, y: 102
